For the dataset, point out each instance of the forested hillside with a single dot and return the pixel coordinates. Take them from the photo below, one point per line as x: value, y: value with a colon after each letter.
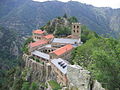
x: 9, y: 53
x: 101, y: 56
x: 26, y: 15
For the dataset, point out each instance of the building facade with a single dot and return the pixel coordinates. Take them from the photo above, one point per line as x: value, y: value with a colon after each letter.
x: 76, y: 30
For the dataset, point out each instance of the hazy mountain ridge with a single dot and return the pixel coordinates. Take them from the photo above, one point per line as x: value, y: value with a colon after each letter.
x: 30, y: 15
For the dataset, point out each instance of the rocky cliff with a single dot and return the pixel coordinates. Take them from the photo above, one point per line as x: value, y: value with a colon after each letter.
x: 78, y: 78
x: 37, y: 71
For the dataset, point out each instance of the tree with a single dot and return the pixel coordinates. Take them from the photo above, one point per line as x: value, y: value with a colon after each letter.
x: 25, y: 86
x: 34, y: 86
x: 63, y: 31
x: 72, y: 19
x: 86, y: 34
x: 65, y: 15
x: 17, y: 84
x: 101, y: 56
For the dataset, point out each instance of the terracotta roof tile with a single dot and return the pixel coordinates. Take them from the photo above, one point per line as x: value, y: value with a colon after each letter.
x: 49, y: 36
x: 37, y: 43
x: 38, y: 31
x: 63, y: 49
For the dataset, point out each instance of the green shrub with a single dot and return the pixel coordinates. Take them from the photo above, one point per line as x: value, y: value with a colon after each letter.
x: 54, y: 85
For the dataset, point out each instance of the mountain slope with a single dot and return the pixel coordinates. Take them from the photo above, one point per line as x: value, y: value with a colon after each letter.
x: 30, y: 15
x: 9, y: 48
x: 9, y: 53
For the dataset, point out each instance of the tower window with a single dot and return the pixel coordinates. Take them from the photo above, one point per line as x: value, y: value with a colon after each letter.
x: 74, y: 30
x: 74, y: 26
x: 77, y: 31
x: 77, y: 26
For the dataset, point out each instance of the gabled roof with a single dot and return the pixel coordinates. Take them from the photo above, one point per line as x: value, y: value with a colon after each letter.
x: 38, y: 31
x: 41, y: 54
x: 65, y: 40
x: 60, y: 64
x: 63, y: 49
x: 37, y: 43
x: 49, y: 36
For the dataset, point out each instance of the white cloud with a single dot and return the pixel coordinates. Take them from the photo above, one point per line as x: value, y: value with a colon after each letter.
x: 98, y: 3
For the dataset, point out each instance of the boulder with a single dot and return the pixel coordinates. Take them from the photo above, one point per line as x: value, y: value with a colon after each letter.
x: 78, y: 77
x: 97, y: 86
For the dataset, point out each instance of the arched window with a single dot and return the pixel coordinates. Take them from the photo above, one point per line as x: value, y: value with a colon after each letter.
x: 74, y: 26
x: 45, y: 50
x: 77, y: 26
x: 74, y: 30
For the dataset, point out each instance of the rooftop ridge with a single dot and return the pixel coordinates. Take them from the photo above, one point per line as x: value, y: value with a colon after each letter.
x: 63, y: 49
x: 37, y: 43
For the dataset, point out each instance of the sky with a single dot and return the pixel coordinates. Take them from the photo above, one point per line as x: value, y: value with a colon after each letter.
x: 97, y: 3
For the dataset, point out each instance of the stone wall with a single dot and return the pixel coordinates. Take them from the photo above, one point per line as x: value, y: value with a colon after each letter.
x: 38, y: 72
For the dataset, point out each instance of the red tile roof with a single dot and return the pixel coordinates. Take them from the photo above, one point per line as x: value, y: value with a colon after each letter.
x: 38, y: 31
x: 63, y: 49
x: 37, y: 43
x: 49, y: 36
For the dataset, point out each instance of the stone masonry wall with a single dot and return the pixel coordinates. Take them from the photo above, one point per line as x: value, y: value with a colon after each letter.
x: 38, y: 72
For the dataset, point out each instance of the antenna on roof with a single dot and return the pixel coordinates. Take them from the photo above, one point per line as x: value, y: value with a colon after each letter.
x: 64, y: 66
x: 59, y: 62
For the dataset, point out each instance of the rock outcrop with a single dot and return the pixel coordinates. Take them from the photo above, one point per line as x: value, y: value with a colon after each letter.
x: 14, y: 49
x: 80, y: 79
x: 97, y: 86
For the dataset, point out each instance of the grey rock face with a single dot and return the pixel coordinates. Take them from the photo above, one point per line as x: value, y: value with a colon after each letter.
x: 14, y: 49
x: 97, y: 86
x: 78, y: 77
x: 1, y: 34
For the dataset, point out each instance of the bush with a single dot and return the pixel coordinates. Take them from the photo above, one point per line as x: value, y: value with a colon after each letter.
x: 25, y: 86
x: 54, y: 85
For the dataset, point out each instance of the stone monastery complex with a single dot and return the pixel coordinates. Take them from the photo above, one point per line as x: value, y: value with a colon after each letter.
x: 55, y: 53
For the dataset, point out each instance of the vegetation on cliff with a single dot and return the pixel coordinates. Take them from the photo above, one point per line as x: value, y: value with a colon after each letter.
x: 54, y: 85
x: 9, y: 54
x: 101, y: 56
x: 61, y: 27
x: 25, y: 45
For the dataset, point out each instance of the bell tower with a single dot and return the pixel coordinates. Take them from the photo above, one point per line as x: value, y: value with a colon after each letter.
x: 76, y: 30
